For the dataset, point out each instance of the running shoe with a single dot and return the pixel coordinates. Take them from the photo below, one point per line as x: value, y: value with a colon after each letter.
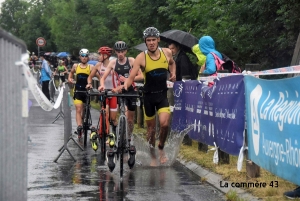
x: 93, y: 139
x: 111, y: 140
x: 79, y: 131
x: 131, y: 160
x: 110, y: 157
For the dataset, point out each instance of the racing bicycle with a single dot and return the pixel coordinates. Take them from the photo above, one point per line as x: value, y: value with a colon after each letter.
x: 122, y: 145
x: 104, y: 124
x: 87, y: 120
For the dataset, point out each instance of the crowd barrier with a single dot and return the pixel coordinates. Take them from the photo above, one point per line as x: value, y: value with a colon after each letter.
x: 13, y: 120
x: 217, y: 116
x: 214, y: 109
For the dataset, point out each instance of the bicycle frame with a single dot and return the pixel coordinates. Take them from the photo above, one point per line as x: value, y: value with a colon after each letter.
x: 122, y: 145
x: 122, y: 129
x: 87, y: 120
x: 102, y: 131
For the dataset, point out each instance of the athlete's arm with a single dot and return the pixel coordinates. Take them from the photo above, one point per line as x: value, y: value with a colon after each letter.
x: 172, y: 64
x: 139, y: 61
x: 71, y: 74
x: 109, y: 67
x: 92, y: 74
x: 139, y: 76
x: 66, y: 70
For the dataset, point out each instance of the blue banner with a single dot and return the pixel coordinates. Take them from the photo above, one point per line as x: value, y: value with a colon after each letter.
x: 273, y: 119
x: 216, y: 113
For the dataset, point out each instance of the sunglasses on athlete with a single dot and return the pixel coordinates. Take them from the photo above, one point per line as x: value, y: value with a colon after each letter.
x: 84, y: 55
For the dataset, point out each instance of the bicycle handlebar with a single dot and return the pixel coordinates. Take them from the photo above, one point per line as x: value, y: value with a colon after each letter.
x: 109, y: 93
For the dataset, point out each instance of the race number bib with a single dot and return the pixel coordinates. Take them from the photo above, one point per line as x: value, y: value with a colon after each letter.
x: 61, y: 74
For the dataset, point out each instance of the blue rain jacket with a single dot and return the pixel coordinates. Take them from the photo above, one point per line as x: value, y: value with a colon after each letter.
x: 45, y: 71
x: 207, y: 45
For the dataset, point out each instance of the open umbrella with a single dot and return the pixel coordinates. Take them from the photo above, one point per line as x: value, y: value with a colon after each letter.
x: 93, y: 62
x: 184, y: 39
x: 53, y: 54
x: 63, y: 54
x: 141, y: 47
x: 94, y: 56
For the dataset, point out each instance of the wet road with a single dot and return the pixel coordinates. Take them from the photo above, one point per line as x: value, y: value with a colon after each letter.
x: 89, y: 178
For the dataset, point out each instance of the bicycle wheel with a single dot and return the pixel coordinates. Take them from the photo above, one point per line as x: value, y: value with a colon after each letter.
x: 102, y: 135
x: 35, y: 70
x: 122, y: 143
x: 86, y: 125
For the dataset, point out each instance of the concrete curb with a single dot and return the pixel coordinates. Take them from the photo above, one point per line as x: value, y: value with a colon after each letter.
x: 215, y: 179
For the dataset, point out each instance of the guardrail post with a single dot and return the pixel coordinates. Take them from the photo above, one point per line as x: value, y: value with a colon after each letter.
x: 223, y: 157
x: 252, y: 169
x: 67, y: 125
x: 95, y: 84
x: 202, y: 147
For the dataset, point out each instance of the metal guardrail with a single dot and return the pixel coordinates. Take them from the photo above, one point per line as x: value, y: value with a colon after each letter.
x: 13, y: 120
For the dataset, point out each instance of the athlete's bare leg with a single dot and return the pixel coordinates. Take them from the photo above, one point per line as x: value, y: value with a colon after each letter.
x: 130, y: 120
x: 79, y: 110
x: 164, y: 126
x: 151, y: 140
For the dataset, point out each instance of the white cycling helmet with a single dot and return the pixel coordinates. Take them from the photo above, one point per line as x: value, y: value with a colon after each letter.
x: 84, y: 51
x: 32, y: 52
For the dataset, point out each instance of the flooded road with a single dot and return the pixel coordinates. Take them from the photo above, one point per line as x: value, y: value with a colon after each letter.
x: 89, y: 177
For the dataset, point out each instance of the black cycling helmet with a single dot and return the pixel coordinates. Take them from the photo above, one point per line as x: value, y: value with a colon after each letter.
x: 120, y: 45
x: 151, y: 32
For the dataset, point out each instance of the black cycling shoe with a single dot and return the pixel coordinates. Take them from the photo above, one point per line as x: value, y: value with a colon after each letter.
x: 110, y: 156
x: 79, y: 131
x: 131, y: 160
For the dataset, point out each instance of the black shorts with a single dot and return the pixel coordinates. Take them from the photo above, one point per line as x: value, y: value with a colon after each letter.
x: 130, y: 102
x: 155, y: 102
x: 63, y: 78
x: 79, y: 96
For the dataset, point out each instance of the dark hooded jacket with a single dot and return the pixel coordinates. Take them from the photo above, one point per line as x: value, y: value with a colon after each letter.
x: 184, y: 67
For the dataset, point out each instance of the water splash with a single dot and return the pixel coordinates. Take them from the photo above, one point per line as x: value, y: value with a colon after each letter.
x: 171, y: 148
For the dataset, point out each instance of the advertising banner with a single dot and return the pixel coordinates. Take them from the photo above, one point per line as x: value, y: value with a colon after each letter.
x: 216, y: 113
x: 273, y: 119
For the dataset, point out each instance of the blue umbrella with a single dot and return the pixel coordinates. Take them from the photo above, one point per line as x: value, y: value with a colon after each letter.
x: 63, y: 54
x: 93, y: 62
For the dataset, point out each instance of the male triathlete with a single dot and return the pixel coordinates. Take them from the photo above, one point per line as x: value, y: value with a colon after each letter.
x: 155, y: 63
x: 111, y: 82
x: 82, y: 70
x: 122, y: 67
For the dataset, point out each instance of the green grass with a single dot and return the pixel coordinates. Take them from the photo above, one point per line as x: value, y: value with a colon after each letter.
x: 229, y: 173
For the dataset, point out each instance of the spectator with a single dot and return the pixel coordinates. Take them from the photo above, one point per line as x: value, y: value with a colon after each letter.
x: 61, y: 70
x: 184, y: 67
x: 33, y: 58
x: 293, y: 194
x: 69, y: 62
x: 45, y: 76
x: 200, y: 56
x: 207, y: 45
x: 66, y: 62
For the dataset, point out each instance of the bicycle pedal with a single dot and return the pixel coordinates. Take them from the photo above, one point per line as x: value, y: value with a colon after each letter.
x: 110, y: 157
x: 132, y: 154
